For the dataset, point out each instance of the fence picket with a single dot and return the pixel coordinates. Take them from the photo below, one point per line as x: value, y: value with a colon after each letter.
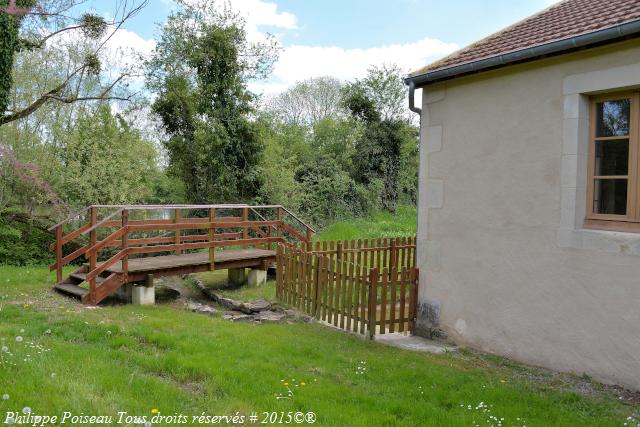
x: 413, y: 279
x: 403, y: 298
x: 394, y: 298
x: 383, y: 300
x: 373, y: 299
x: 353, y: 285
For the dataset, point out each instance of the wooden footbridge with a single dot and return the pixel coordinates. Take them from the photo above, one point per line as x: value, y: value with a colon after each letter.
x: 128, y: 243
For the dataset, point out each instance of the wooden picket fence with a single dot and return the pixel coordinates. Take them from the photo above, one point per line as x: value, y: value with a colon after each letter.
x: 362, y: 288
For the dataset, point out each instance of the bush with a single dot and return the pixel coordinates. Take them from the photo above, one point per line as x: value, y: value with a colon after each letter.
x: 23, y: 240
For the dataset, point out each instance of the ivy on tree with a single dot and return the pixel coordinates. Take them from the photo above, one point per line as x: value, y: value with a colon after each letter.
x: 199, y: 72
x: 49, y: 19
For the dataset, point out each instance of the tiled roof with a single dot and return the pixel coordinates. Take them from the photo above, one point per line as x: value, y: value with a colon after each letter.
x: 564, y: 20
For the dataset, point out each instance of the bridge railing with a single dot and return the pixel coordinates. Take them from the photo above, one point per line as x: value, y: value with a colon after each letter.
x: 114, y: 232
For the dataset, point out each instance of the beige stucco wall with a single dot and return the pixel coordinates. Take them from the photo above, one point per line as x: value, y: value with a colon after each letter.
x: 504, y: 266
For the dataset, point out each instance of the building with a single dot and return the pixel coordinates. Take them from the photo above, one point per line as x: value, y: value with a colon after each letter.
x: 529, y: 191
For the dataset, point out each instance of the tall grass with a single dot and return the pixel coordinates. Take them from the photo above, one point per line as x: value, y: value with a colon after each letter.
x: 378, y: 225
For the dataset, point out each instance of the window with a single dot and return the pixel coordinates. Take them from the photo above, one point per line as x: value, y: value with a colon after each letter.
x: 613, y: 188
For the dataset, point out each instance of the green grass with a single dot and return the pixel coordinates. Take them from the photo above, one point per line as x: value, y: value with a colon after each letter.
x: 378, y: 225
x: 135, y: 359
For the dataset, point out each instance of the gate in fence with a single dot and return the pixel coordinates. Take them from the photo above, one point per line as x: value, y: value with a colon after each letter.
x: 366, y: 287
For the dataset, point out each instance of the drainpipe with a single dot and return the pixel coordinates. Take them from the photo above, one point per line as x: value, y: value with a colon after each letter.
x: 412, y: 103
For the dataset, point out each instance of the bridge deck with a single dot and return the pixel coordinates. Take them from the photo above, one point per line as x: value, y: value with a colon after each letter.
x: 195, y: 262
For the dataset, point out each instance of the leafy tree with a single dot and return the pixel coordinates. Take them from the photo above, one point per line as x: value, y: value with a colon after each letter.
x: 329, y: 193
x: 199, y: 72
x: 39, y: 24
x: 106, y: 162
x: 385, y: 87
x: 308, y: 102
x: 374, y: 102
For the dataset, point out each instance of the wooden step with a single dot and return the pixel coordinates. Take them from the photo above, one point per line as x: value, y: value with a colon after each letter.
x: 82, y: 277
x: 72, y: 290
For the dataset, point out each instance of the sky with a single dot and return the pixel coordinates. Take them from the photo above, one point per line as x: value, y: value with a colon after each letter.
x: 343, y: 38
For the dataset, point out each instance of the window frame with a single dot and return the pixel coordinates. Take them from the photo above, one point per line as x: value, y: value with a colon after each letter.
x: 630, y: 221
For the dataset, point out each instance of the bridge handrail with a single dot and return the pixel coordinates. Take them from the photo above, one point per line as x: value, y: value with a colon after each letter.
x: 120, y: 237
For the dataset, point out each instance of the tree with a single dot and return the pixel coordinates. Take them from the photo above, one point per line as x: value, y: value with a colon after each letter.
x: 375, y: 102
x: 385, y: 87
x: 308, y: 101
x: 106, y: 162
x: 199, y: 72
x: 38, y: 24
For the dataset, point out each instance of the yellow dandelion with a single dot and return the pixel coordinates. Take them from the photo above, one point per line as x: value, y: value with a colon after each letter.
x: 155, y: 411
x: 286, y: 384
x: 303, y: 383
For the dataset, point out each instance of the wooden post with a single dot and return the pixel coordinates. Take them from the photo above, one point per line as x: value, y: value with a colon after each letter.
x: 373, y: 301
x: 93, y: 238
x: 394, y: 255
x: 279, y: 226
x: 245, y: 229
x: 125, y: 242
x: 176, y: 220
x: 308, y: 242
x: 413, y: 300
x: 212, y: 238
x: 339, y: 250
x: 59, y: 253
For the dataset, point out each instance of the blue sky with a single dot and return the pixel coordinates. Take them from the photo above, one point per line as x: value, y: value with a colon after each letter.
x: 344, y: 37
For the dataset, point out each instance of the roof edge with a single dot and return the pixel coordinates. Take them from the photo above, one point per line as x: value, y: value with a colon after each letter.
x: 609, y: 34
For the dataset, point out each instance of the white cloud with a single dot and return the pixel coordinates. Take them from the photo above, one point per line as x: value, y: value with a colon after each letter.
x: 259, y: 12
x: 301, y: 62
x: 256, y: 13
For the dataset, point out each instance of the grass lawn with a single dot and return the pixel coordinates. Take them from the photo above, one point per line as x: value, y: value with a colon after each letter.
x: 137, y: 359
x: 378, y: 225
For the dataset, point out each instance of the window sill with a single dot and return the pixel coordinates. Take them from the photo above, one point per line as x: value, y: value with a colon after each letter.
x: 606, y: 225
x: 610, y: 241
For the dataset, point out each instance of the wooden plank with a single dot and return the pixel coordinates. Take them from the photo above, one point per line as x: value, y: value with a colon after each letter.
x: 356, y: 296
x: 212, y: 238
x: 72, y: 256
x: 344, y: 283
x: 403, y: 297
x: 245, y: 218
x: 385, y: 254
x: 125, y: 242
x: 394, y: 300
x: 105, y: 242
x: 363, y: 300
x: 201, y: 225
x: 383, y: 301
x: 177, y: 219
x: 291, y: 231
x: 314, y: 271
x: 203, y: 245
x: 93, y: 239
x: 105, y: 265
x: 413, y: 280
x: 59, y: 253
x: 349, y: 299
x: 278, y: 271
x: 309, y: 279
x: 71, y: 236
x: 337, y: 285
x: 299, y: 280
x: 323, y: 287
x: 373, y: 299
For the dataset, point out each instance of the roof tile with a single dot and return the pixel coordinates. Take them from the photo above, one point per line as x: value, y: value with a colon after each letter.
x: 564, y: 20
